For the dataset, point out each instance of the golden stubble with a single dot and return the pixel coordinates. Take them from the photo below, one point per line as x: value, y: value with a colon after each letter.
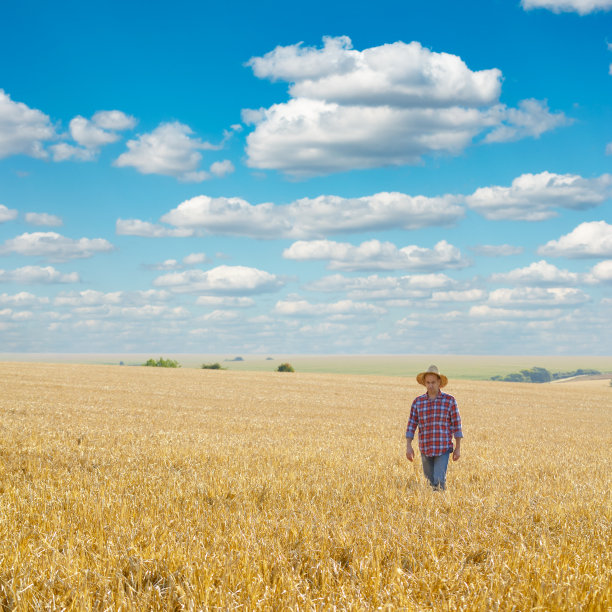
x: 148, y: 488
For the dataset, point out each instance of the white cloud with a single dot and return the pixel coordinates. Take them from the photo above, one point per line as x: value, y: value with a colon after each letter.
x: 21, y: 299
x: 467, y: 295
x: 220, y: 316
x: 135, y: 227
x: 38, y: 275
x: 398, y: 74
x: 55, y: 247
x: 376, y: 287
x: 168, y: 264
x: 534, y: 197
x: 23, y: 130
x: 89, y: 297
x: 222, y: 280
x: 64, y: 151
x: 305, y: 137
x: 114, y: 120
x: 530, y: 120
x: 537, y: 296
x: 602, y: 272
x: 497, y: 250
x: 22, y: 315
x: 581, y: 7
x: 538, y: 273
x: 7, y: 214
x: 89, y: 135
x: 43, y: 219
x: 486, y: 312
x: 376, y: 255
x: 589, y: 239
x: 298, y: 307
x: 386, y: 105
x: 222, y: 168
x: 92, y: 134
x: 169, y: 149
x: 194, y: 258
x: 227, y: 301
x: 313, y: 217
x: 326, y: 330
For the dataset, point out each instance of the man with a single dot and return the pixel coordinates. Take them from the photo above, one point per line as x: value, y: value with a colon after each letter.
x: 437, y: 417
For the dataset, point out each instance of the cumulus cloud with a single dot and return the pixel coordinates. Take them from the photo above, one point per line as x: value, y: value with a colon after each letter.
x: 487, y: 312
x: 38, y: 275
x: 537, y: 296
x: 225, y: 301
x: 534, y: 197
x: 376, y: 255
x: 22, y: 299
x: 308, y: 217
x: 23, y: 130
x: 601, y: 272
x: 589, y: 239
x: 530, y: 120
x: 386, y: 105
x: 538, y: 273
x: 377, y: 287
x: 170, y: 149
x: 222, y: 280
x: 194, y: 259
x: 43, y: 219
x: 467, y: 295
x: 582, y: 7
x: 55, y: 247
x: 303, y: 308
x: 7, y: 214
x: 222, y: 168
x: 174, y: 264
x: 145, y: 229
x: 92, y: 134
x: 113, y: 120
x: 89, y: 297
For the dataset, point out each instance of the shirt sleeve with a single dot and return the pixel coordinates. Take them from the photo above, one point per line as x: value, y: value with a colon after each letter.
x: 455, y: 419
x: 413, y: 421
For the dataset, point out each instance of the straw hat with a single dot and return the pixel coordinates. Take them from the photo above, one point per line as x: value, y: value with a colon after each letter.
x: 432, y: 369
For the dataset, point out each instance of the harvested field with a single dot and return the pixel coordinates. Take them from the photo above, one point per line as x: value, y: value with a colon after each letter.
x: 151, y: 488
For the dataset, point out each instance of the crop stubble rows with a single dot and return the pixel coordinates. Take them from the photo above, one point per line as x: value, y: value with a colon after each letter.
x: 146, y: 488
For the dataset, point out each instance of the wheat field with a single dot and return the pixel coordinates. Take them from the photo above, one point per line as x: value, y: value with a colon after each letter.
x: 131, y: 488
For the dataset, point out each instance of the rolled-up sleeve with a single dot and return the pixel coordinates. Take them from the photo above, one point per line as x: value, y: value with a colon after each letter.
x: 413, y: 422
x: 455, y: 420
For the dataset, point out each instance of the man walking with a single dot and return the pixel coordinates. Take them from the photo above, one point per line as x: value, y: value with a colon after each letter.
x: 437, y: 417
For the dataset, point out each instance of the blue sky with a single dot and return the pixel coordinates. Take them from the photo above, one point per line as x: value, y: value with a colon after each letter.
x: 348, y: 178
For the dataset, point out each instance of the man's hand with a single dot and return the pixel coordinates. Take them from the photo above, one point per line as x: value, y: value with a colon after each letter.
x: 457, y: 451
x: 409, y: 451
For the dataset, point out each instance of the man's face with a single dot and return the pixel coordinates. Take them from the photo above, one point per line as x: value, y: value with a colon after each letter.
x: 432, y: 382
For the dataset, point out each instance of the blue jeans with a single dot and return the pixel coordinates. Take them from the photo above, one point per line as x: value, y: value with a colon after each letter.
x: 434, y: 469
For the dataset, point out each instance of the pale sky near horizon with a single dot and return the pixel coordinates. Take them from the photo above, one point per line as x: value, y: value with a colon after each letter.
x: 346, y: 178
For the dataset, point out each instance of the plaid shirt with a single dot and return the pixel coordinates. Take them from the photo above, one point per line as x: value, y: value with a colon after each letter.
x: 438, y: 421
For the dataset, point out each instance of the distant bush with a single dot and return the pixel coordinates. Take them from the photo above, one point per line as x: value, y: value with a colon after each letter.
x: 163, y: 363
x: 285, y: 367
x: 212, y: 366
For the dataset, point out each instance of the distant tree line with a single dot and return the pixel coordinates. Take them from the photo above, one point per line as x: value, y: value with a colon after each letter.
x: 542, y: 375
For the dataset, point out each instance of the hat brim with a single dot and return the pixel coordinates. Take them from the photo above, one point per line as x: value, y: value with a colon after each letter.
x: 421, y: 378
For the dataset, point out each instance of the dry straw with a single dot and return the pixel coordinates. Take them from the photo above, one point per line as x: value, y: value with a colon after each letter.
x: 141, y: 488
